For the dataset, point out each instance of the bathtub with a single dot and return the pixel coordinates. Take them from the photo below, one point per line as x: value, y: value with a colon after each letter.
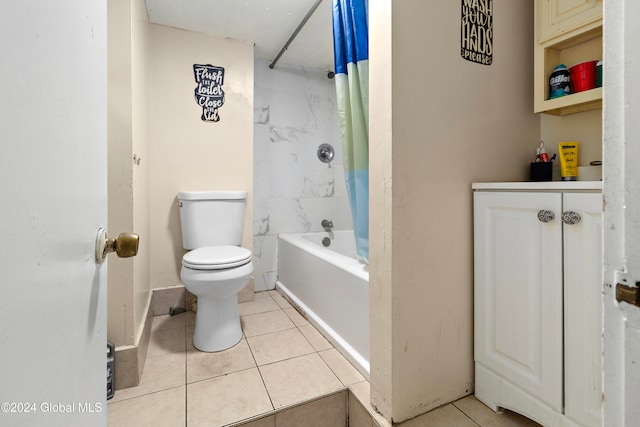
x: 330, y: 287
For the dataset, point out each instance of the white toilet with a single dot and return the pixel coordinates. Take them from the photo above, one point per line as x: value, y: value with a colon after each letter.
x: 216, y: 268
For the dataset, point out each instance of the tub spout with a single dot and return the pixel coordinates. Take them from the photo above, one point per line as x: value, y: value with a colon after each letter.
x: 327, y: 224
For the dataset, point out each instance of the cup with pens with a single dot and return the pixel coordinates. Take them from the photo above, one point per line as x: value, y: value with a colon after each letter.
x: 541, y: 169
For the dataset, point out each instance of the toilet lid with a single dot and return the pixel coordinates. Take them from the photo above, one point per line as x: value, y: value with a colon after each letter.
x: 216, y: 257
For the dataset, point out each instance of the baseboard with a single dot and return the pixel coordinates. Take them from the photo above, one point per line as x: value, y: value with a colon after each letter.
x: 130, y: 359
x: 178, y: 296
x: 171, y: 297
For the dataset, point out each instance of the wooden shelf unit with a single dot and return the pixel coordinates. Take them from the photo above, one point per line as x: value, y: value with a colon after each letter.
x: 580, y: 44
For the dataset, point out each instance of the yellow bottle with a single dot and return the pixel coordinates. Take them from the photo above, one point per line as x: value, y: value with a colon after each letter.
x: 568, y: 153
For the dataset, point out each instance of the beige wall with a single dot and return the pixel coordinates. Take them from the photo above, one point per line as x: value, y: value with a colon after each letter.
x: 186, y: 153
x: 583, y: 127
x: 438, y: 124
x: 120, y: 195
x: 140, y: 144
x: 128, y: 283
x: 380, y: 205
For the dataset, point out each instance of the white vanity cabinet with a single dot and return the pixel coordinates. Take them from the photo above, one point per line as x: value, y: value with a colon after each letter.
x: 538, y: 319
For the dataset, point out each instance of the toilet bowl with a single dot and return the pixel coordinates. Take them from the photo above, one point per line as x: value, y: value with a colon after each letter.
x: 216, y: 268
x: 215, y: 275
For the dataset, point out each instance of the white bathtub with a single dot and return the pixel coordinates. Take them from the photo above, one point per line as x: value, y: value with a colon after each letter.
x: 330, y: 287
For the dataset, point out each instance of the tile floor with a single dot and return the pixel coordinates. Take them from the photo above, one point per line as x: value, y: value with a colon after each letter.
x: 283, y: 371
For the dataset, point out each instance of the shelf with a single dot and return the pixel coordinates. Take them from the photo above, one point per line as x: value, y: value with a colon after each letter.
x: 569, y: 48
x: 574, y: 103
x: 576, y: 37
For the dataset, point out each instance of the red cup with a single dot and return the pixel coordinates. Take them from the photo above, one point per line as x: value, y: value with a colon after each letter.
x: 583, y: 76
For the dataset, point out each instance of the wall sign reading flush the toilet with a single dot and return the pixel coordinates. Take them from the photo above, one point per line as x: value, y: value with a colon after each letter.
x: 208, y: 93
x: 476, y: 35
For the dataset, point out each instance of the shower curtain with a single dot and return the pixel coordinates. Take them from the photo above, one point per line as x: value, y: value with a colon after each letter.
x: 351, y: 53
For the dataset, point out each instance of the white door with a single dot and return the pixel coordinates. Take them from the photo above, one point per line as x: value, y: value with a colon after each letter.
x: 518, y: 291
x: 621, y: 227
x: 53, y: 199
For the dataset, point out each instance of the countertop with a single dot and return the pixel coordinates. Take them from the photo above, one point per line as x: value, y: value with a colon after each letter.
x: 592, y: 186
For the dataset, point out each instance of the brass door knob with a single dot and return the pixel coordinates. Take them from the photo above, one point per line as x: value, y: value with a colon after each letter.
x: 126, y: 245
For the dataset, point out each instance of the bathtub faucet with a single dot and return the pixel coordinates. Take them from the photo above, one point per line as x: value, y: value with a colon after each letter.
x: 327, y: 225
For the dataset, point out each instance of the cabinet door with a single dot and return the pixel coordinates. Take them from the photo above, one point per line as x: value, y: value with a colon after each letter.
x: 518, y: 291
x: 556, y: 17
x: 583, y: 309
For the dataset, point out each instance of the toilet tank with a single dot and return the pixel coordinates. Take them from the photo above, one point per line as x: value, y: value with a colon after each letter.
x: 211, y: 218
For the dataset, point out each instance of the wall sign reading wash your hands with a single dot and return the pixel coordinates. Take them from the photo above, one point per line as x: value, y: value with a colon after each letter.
x: 476, y: 35
x: 208, y: 93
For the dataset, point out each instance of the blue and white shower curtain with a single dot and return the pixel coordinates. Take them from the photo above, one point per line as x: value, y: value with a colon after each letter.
x: 351, y: 51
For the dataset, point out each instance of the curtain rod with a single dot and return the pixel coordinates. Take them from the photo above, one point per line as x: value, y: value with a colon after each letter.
x: 295, y: 33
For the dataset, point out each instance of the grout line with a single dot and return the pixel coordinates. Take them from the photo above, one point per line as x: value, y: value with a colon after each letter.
x: 221, y: 375
x: 270, y: 332
x: 260, y: 373
x: 252, y: 354
x: 331, y: 369
x: 144, y: 395
x: 273, y: 407
x: 288, y: 358
x: 465, y: 414
x: 263, y: 310
x: 186, y: 374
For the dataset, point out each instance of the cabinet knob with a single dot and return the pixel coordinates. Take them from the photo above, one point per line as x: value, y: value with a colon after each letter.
x: 545, y: 216
x: 571, y: 217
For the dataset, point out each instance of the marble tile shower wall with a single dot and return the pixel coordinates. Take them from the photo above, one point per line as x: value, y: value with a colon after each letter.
x: 295, y: 112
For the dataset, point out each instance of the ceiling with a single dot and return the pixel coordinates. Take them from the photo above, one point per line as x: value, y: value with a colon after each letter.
x: 266, y: 23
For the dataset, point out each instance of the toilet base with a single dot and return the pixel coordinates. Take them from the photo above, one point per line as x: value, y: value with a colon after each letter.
x: 217, y: 323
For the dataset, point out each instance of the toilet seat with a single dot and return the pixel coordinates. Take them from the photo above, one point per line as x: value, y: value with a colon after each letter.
x: 216, y: 258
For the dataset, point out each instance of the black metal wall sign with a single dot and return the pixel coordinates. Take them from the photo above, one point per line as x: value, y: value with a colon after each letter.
x: 476, y: 36
x: 208, y: 93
